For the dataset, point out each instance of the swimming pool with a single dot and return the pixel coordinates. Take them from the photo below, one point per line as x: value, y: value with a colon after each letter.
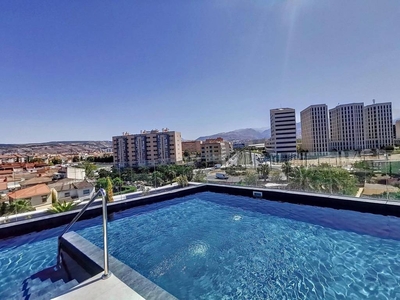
x: 28, y: 265
x: 210, y: 245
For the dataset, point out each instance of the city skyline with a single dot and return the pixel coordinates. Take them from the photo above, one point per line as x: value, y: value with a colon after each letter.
x: 90, y: 71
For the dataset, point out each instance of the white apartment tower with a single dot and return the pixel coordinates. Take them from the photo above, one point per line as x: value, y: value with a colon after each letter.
x: 283, y: 131
x: 147, y: 148
x: 378, y: 125
x: 347, y: 127
x: 315, y: 128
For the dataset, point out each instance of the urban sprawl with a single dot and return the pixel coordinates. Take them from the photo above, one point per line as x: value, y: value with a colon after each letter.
x: 353, y: 140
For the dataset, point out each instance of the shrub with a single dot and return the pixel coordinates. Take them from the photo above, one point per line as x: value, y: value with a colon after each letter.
x: 182, y: 181
x: 62, y: 207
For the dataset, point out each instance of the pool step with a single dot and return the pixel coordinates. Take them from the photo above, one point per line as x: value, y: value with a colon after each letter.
x: 47, y: 289
x: 46, y: 284
x: 53, y: 290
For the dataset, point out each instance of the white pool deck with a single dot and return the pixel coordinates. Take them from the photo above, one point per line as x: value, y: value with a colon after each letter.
x: 98, y: 288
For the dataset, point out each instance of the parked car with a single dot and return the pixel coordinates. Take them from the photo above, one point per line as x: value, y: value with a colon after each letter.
x: 221, y: 176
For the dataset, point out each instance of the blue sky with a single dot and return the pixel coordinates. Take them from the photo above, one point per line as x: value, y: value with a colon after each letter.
x: 88, y: 70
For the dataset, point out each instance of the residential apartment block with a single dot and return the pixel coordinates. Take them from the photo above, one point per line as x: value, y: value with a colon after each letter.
x: 147, y: 148
x: 347, y: 127
x: 397, y: 129
x: 215, y: 150
x: 315, y: 128
x: 378, y: 125
x: 283, y: 131
x: 192, y: 146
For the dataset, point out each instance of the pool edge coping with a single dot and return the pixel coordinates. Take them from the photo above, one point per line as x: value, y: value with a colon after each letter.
x: 91, y: 258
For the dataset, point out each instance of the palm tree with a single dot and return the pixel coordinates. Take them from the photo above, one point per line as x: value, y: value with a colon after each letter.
x: 170, y: 174
x: 300, y: 178
x: 21, y: 206
x: 156, y: 178
x: 117, y: 182
x: 62, y: 207
x: 250, y: 178
x: 182, y: 180
x: 199, y: 176
x: 263, y: 170
x: 287, y: 168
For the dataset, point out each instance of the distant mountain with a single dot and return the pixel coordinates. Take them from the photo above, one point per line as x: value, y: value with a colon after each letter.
x: 56, y: 147
x: 244, y: 135
x: 54, y: 143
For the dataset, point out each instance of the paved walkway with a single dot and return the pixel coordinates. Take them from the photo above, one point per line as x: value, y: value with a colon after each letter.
x: 98, y: 289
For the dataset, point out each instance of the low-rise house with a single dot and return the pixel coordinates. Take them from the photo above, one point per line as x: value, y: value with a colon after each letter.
x: 3, y: 190
x: 68, y: 190
x: 12, y: 185
x: 70, y: 173
x: 38, y: 195
x: 36, y: 180
x: 7, y: 159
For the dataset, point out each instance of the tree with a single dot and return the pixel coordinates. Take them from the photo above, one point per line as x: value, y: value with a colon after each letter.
x: 75, y: 159
x: 117, y: 182
x: 103, y: 173
x: 101, y: 183
x: 109, y: 190
x: 170, y: 174
x: 36, y: 160
x: 250, y: 178
x: 182, y: 181
x: 199, y: 176
x: 362, y: 164
x: 287, y: 168
x: 299, y: 178
x: 21, y: 206
x: 3, y: 208
x: 263, y: 170
x: 56, y: 161
x: 156, y: 178
x: 188, y: 172
x: 89, y: 169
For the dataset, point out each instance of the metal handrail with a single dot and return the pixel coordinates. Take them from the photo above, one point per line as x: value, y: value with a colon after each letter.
x: 101, y: 192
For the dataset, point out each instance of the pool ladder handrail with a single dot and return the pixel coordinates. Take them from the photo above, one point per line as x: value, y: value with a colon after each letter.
x: 101, y: 192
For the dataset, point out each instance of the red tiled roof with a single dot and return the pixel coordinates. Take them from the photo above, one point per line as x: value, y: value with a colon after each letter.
x: 5, y: 172
x: 36, y: 190
x: 36, y: 180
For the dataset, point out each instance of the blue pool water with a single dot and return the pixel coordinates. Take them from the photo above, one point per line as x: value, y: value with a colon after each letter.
x: 217, y: 246
x: 27, y: 263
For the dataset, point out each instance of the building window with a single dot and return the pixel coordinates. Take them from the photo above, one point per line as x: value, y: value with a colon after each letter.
x: 44, y: 198
x: 86, y: 192
x: 67, y: 194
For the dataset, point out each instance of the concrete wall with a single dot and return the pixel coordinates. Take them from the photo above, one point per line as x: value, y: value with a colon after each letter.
x: 76, y: 173
x: 37, y: 200
x: 82, y: 195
